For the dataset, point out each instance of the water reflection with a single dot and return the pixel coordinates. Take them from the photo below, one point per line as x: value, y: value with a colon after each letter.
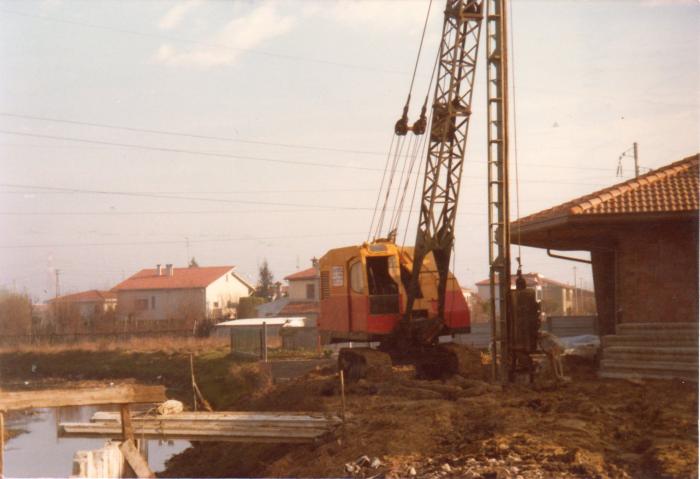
x: 41, y: 453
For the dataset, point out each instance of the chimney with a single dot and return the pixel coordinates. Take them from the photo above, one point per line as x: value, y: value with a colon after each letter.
x: 159, y: 270
x: 168, y: 269
x: 314, y: 262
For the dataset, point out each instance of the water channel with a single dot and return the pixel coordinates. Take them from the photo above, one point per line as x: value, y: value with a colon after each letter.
x: 38, y: 452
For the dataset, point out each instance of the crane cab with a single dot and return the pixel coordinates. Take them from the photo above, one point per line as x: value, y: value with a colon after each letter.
x: 363, y: 293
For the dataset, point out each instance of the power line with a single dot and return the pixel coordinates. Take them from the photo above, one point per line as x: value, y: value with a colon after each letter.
x: 253, y: 158
x: 166, y: 242
x: 281, y: 56
x: 175, y: 197
x: 189, y: 152
x: 190, y: 135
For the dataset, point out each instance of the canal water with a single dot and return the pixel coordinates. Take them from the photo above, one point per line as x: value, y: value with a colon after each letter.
x: 38, y: 452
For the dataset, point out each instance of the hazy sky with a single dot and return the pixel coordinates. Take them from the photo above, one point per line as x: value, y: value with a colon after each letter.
x: 302, y: 97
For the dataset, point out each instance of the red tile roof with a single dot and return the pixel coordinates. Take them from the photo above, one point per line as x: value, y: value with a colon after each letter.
x: 311, y: 273
x: 182, y: 278
x: 669, y: 189
x: 296, y: 308
x: 91, y: 296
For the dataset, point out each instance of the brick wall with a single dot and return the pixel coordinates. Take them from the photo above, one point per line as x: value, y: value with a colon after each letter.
x: 657, y: 273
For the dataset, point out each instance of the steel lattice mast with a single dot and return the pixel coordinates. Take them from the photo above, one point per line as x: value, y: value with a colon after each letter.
x: 498, y: 199
x: 448, y: 136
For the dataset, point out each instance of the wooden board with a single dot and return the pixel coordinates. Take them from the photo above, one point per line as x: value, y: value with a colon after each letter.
x: 119, y: 394
x: 135, y: 460
x: 291, y: 418
x: 197, y: 431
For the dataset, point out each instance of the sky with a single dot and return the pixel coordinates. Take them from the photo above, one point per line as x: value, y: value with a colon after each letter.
x: 134, y: 133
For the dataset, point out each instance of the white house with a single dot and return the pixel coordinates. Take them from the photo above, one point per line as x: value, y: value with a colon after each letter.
x: 557, y: 298
x: 303, y: 293
x: 190, y: 294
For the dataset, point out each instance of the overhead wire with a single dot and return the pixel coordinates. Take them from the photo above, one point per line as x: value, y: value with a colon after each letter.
x: 251, y: 158
x: 189, y: 135
x: 176, y: 197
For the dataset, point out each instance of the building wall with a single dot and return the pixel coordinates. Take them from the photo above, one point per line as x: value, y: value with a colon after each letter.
x: 222, y: 296
x: 162, y: 304
x: 297, y: 289
x: 657, y: 279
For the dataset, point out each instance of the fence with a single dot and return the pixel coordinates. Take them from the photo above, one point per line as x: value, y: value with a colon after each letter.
x: 562, y: 326
x: 67, y: 338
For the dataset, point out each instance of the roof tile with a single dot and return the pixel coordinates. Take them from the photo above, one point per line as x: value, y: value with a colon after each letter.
x: 182, y: 278
x: 669, y: 189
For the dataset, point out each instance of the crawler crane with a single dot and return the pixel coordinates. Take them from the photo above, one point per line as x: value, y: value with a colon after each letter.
x: 405, y: 298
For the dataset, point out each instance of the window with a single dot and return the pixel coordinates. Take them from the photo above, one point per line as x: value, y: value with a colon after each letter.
x: 325, y: 285
x: 356, y: 277
x: 153, y: 302
x: 311, y: 291
x: 141, y: 304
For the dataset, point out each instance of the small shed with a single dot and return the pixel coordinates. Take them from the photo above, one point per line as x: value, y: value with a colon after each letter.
x: 247, y: 335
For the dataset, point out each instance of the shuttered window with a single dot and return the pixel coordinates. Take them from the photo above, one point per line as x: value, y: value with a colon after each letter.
x: 325, y: 285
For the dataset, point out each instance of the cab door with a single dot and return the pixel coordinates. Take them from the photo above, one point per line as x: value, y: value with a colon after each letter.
x: 357, y: 296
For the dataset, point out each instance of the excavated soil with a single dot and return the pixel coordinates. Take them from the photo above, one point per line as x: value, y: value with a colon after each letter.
x: 468, y: 428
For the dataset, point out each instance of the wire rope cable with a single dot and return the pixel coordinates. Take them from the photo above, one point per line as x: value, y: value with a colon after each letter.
x: 515, y: 132
x: 381, y: 186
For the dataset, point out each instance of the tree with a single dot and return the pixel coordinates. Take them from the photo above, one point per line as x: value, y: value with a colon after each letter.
x: 266, y: 282
x: 15, y: 313
x: 193, y: 263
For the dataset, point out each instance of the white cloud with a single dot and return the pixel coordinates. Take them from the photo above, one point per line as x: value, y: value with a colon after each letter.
x: 243, y: 32
x: 380, y: 14
x: 175, y: 15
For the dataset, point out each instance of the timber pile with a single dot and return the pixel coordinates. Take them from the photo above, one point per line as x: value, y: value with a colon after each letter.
x: 277, y: 427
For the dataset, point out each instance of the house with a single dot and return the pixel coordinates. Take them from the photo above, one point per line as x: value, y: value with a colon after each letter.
x: 303, y: 293
x: 642, y: 235
x: 557, y: 298
x: 181, y: 294
x: 79, y: 311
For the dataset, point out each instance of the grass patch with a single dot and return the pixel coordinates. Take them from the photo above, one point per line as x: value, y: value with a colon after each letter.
x: 170, y: 367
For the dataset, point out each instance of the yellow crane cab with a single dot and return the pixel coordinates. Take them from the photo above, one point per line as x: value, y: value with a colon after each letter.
x: 363, y: 293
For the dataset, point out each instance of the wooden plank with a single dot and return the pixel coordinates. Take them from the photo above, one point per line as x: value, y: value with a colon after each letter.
x: 233, y: 416
x: 196, y: 432
x: 135, y: 460
x: 126, y: 393
x: 125, y: 417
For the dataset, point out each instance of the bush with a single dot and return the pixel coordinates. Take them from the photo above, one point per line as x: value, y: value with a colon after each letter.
x: 246, y: 307
x: 15, y: 314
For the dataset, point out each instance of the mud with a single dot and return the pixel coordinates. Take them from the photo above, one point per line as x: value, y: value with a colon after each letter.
x: 470, y: 428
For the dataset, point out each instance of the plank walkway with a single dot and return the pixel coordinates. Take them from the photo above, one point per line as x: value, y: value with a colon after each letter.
x: 275, y: 427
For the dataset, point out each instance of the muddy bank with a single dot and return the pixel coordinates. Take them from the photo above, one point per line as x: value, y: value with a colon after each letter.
x: 21, y: 370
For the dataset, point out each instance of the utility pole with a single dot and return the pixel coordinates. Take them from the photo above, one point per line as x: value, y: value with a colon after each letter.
x: 574, y: 295
x: 498, y: 196
x: 626, y: 154
x: 58, y: 284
